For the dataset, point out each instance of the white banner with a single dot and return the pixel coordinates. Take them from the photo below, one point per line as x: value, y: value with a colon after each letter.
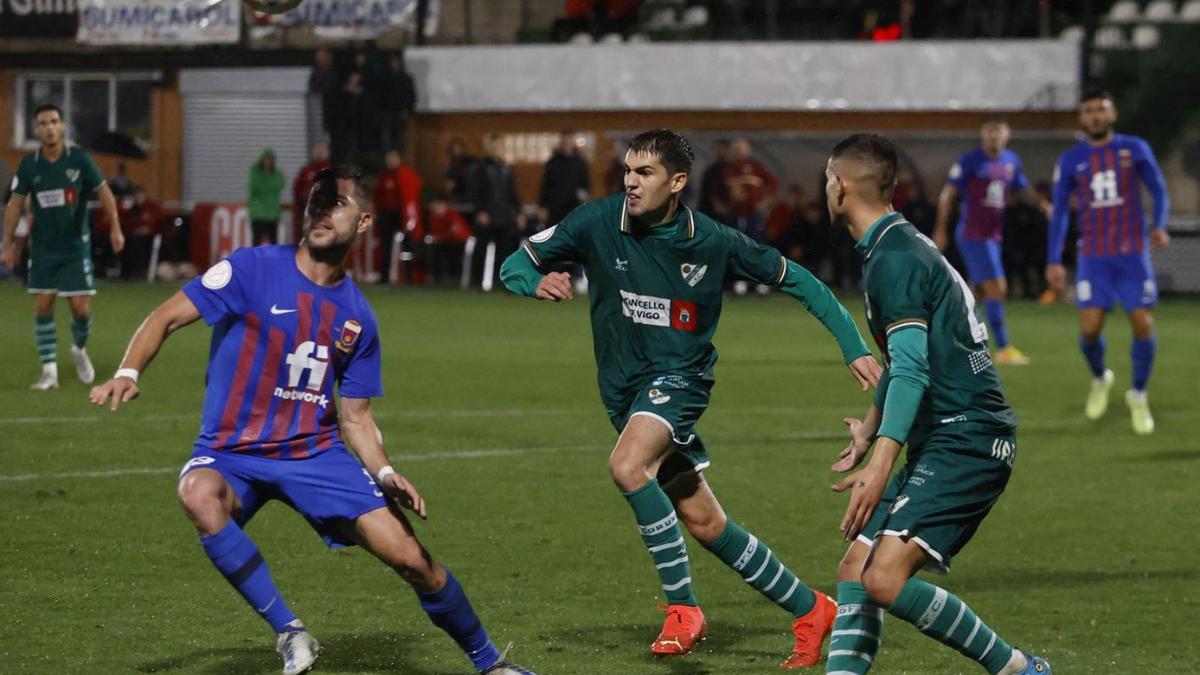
x: 158, y: 22
x: 906, y: 75
x: 349, y: 19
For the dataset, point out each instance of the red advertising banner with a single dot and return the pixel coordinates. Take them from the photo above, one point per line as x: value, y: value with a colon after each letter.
x: 221, y: 229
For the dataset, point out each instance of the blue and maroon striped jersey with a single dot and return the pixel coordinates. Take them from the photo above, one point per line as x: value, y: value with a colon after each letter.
x: 279, y: 344
x: 1104, y: 182
x: 985, y: 183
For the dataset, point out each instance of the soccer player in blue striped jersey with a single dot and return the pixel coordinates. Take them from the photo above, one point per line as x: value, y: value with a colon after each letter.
x: 982, y: 181
x: 940, y: 396
x: 1103, y: 174
x: 289, y: 327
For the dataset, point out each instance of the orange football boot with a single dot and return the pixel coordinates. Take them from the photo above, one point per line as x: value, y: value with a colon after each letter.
x: 683, y: 628
x: 810, y: 631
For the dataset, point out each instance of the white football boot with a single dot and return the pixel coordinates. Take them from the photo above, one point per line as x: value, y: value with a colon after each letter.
x: 298, y: 648
x: 504, y: 667
x: 1139, y: 412
x: 49, y: 378
x: 1097, y: 400
x: 83, y: 365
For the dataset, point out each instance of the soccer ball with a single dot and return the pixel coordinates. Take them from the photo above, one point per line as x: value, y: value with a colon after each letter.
x: 272, y: 6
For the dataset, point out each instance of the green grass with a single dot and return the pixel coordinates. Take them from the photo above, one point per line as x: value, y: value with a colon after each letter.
x: 1088, y: 559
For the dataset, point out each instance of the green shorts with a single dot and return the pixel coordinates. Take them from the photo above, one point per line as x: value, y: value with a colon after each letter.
x: 70, y: 275
x: 677, y: 401
x: 944, y: 491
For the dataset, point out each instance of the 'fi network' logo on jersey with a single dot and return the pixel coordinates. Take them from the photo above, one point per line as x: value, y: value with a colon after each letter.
x: 303, y: 360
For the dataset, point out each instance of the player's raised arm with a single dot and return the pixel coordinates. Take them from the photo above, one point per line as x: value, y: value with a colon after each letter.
x: 177, y: 312
x: 363, y: 435
x: 564, y: 242
x: 941, y: 222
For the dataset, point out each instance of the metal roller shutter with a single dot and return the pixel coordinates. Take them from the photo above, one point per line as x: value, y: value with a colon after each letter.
x: 225, y: 132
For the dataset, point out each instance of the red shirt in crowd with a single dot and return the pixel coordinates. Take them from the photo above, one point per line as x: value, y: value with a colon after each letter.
x: 446, y: 226
x: 300, y: 189
x: 747, y: 186
x: 399, y: 190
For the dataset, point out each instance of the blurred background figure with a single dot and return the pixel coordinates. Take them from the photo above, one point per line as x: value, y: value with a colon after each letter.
x: 397, y: 199
x: 263, y: 207
x: 448, y: 234
x: 398, y: 100
x: 142, y: 220
x: 565, y: 181
x: 498, y: 221
x: 302, y: 185
x: 712, y: 183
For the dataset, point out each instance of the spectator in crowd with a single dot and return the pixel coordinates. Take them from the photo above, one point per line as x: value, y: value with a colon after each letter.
x: 712, y: 184
x: 917, y: 208
x: 565, y: 181
x: 448, y: 233
x: 263, y: 188
x: 303, y: 183
x: 458, y: 169
x: 142, y: 219
x: 748, y: 188
x: 399, y: 99
x: 614, y: 172
x: 792, y: 227
x: 120, y: 184
x: 596, y: 18
x: 492, y: 192
x: 365, y: 87
x: 324, y: 82
x: 1025, y: 226
x: 846, y: 262
x: 397, y: 198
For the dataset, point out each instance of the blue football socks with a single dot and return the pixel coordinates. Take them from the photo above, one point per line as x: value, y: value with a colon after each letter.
x: 236, y: 557
x: 1094, y: 353
x: 450, y: 610
x: 1142, y: 355
x: 995, y: 317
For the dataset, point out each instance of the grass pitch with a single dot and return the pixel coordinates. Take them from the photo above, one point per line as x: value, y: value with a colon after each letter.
x: 491, y: 409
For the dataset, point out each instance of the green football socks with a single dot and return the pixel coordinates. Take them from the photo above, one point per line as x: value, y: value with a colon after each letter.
x: 81, y: 327
x: 44, y: 336
x: 943, y: 617
x: 759, y: 567
x: 663, y: 537
x: 857, y: 632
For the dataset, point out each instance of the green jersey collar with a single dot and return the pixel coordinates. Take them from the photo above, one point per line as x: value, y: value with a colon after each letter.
x: 689, y: 223
x: 876, y: 232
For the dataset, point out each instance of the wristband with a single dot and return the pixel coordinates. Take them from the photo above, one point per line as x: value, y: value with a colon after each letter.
x: 131, y: 373
x: 384, y: 473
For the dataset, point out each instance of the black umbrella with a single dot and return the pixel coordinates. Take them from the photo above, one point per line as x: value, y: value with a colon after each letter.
x: 117, y: 143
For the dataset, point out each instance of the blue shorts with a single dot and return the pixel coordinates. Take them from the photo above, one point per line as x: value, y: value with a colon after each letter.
x: 1128, y: 278
x: 328, y: 489
x: 983, y: 259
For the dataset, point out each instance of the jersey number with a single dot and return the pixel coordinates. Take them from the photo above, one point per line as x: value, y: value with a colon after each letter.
x: 978, y: 331
x: 995, y: 194
x: 1104, y: 189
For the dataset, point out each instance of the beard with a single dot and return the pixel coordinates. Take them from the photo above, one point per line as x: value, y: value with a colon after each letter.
x: 1100, y: 133
x: 333, y: 252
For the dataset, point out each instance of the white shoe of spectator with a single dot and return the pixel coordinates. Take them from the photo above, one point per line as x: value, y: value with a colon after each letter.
x: 581, y: 39
x: 662, y: 19
x: 762, y: 289
x: 695, y: 17
x: 740, y: 287
x: 638, y: 38
x: 612, y: 39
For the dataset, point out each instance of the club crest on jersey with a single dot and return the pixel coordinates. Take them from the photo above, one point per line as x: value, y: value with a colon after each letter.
x: 693, y: 273
x: 73, y: 175
x: 350, y: 332
x: 621, y: 265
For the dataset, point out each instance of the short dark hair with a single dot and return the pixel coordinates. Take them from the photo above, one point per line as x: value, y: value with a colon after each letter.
x: 874, y: 151
x: 1093, y: 93
x: 45, y: 107
x: 672, y: 150
x: 995, y: 118
x: 344, y: 171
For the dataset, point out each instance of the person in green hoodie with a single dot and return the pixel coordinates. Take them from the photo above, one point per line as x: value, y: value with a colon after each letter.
x: 262, y: 202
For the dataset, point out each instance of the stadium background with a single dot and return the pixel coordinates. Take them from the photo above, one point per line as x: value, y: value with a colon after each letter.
x: 201, y: 102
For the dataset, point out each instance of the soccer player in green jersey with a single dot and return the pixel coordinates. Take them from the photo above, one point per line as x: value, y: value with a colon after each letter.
x: 656, y: 270
x: 60, y: 177
x: 941, y: 395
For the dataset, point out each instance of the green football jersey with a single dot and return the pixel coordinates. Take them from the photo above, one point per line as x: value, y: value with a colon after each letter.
x: 655, y: 294
x: 60, y: 191
x: 909, y: 282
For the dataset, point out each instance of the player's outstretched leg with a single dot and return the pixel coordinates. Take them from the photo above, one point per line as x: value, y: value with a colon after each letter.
x: 1145, y: 344
x: 46, y: 339
x: 389, y: 537
x: 209, y: 502
x: 858, y: 630
x: 889, y: 582
x: 812, y: 612
x: 633, y: 463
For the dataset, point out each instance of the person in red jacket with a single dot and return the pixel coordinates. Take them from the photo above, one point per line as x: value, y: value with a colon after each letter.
x: 143, y: 218
x: 397, y: 198
x: 303, y: 185
x: 448, y: 233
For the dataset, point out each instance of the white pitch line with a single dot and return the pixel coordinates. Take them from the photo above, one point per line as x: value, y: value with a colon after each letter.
x: 399, y: 459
